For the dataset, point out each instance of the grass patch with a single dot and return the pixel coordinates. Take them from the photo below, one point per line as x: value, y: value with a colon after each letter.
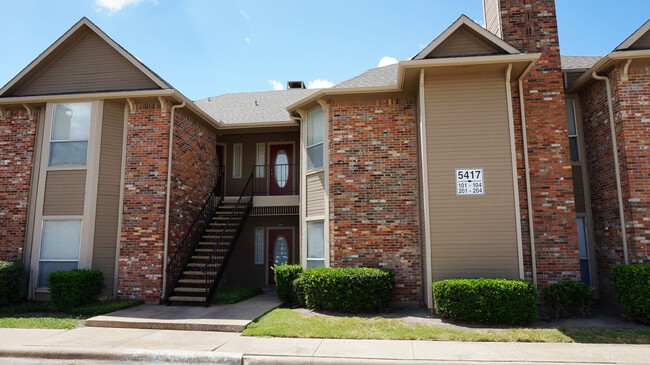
x: 232, y: 295
x: 49, y: 315
x: 287, y: 323
x: 41, y: 322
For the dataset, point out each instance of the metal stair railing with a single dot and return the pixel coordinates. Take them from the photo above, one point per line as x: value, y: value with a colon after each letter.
x: 213, y: 268
x: 193, y: 236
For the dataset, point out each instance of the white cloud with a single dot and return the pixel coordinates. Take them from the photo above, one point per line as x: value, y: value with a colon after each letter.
x: 277, y: 85
x: 421, y: 46
x: 244, y: 14
x: 247, y: 40
x: 115, y: 5
x: 319, y: 84
x: 385, y: 61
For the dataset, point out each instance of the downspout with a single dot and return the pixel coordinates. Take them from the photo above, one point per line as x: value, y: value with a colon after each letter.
x: 168, y: 197
x: 513, y: 158
x: 619, y: 192
x: 531, y: 224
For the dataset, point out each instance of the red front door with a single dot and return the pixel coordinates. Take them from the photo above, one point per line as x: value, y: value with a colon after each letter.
x: 281, y: 169
x: 221, y: 167
x: 280, y: 249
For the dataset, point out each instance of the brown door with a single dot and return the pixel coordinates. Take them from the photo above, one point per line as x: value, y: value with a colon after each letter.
x: 221, y: 167
x: 281, y: 169
x: 280, y: 249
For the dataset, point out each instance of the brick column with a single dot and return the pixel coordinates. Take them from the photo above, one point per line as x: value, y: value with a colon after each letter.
x: 143, y: 214
x: 17, y: 140
x: 531, y: 26
x: 373, y: 189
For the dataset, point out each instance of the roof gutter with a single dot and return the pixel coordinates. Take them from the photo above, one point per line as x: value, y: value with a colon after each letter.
x: 604, y: 63
x: 412, y: 64
x: 19, y: 100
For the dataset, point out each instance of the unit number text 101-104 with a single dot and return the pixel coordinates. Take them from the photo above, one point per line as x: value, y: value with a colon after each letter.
x: 469, y: 182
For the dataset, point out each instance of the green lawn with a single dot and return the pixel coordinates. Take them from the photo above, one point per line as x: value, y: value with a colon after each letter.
x: 232, y: 295
x: 48, y: 315
x: 287, y: 323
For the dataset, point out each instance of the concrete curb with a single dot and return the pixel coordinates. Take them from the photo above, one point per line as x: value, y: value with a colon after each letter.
x: 207, y: 357
x: 163, y: 356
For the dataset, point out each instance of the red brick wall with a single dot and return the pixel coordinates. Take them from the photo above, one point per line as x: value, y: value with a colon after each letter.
x: 631, y: 114
x: 17, y: 139
x: 531, y: 26
x: 373, y: 189
x: 194, y: 174
x: 143, y: 214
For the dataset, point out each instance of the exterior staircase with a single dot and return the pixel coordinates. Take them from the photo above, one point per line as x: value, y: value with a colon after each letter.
x: 196, y: 280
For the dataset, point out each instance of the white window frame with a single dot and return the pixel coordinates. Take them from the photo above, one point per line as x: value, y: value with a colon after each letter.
x: 321, y: 143
x: 237, y: 162
x: 260, y: 159
x: 325, y: 248
x: 52, y: 141
x: 260, y: 232
x: 51, y: 218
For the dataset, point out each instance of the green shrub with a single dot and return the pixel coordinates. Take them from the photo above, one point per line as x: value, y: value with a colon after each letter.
x: 347, y: 290
x: 632, y: 287
x: 298, y: 293
x: 570, y: 297
x: 486, y: 300
x: 284, y: 276
x: 11, y: 281
x: 75, y: 288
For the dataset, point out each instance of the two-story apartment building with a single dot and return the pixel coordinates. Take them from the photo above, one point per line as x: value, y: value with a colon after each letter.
x: 488, y: 154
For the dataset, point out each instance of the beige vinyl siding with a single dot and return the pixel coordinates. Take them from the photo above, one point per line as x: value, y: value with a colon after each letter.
x: 467, y: 127
x: 462, y: 43
x: 491, y: 16
x: 316, y: 194
x: 64, y: 192
x: 578, y: 189
x: 89, y: 65
x: 108, y: 192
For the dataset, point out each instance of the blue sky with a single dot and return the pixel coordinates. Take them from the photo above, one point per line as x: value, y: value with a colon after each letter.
x: 206, y: 47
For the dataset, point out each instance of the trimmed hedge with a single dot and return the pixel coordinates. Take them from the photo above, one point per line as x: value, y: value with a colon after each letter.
x: 75, y: 288
x: 298, y: 293
x: 632, y: 287
x: 570, y: 297
x: 347, y: 290
x: 11, y: 282
x: 486, y: 300
x: 284, y: 276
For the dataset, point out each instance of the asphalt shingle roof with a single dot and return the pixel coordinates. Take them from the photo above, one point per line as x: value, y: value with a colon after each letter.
x: 578, y: 62
x: 253, y: 107
x: 381, y: 76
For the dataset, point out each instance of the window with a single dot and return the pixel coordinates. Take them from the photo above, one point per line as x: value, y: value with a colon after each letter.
x: 236, y: 160
x: 583, y: 250
x: 60, y: 245
x: 260, y: 160
x: 315, y: 244
x: 573, y: 131
x: 315, y: 136
x: 69, y: 136
x: 259, y: 245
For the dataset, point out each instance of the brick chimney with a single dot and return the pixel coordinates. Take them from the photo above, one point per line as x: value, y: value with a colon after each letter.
x: 531, y: 27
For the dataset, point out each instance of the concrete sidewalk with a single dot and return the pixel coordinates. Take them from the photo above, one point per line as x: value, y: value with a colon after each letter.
x: 231, y: 348
x: 224, y: 317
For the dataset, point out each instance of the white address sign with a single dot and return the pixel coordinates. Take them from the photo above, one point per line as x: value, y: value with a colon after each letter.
x: 469, y: 182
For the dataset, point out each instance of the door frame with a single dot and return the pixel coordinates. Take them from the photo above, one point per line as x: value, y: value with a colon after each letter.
x: 293, y: 161
x: 225, y: 158
x: 267, y: 248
